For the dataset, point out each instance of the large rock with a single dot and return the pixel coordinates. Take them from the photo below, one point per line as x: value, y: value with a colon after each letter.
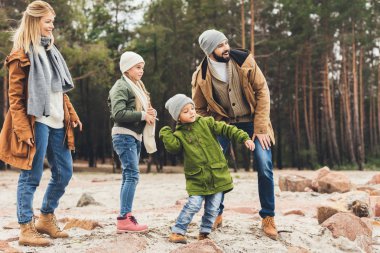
x: 356, y: 202
x: 86, y: 199
x: 293, y: 183
x: 375, y: 179
x: 351, y: 227
x: 327, y: 210
x: 334, y: 182
x: 204, y: 246
x: 5, y: 247
x: 319, y: 174
x: 293, y: 211
x: 126, y: 243
x: 372, y: 190
x: 80, y: 223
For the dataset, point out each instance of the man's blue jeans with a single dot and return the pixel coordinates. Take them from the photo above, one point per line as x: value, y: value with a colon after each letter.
x: 128, y: 149
x: 264, y: 166
x: 193, y: 205
x: 49, y: 141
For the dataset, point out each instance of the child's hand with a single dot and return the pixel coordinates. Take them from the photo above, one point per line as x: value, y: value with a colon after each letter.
x: 250, y: 145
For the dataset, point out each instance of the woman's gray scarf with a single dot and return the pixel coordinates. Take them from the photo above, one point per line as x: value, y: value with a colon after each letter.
x: 40, y: 83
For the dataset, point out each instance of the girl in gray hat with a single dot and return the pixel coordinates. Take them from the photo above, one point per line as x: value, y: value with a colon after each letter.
x: 206, y: 170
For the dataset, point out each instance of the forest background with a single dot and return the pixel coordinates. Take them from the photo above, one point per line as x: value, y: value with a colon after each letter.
x: 320, y: 58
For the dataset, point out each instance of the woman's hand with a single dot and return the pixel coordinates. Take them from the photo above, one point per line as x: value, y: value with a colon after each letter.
x: 77, y: 123
x: 29, y: 142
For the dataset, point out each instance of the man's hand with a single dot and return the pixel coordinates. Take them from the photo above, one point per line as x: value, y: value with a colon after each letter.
x: 264, y: 140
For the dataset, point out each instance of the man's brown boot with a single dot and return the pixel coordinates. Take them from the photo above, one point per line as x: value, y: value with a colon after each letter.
x: 177, y: 238
x: 47, y: 224
x: 203, y: 236
x: 30, y: 237
x: 269, y: 227
x: 218, y: 222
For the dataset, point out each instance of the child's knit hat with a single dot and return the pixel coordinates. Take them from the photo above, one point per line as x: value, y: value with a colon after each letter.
x: 175, y: 104
x: 128, y: 60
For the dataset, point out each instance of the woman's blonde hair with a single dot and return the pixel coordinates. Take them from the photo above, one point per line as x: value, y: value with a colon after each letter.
x: 29, y: 31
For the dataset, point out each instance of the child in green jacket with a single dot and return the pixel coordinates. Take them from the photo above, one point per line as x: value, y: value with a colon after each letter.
x: 206, y: 170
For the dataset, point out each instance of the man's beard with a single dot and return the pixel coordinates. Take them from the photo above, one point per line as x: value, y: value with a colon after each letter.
x: 221, y: 58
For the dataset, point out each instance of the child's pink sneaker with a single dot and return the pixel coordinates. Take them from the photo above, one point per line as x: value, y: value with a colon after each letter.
x: 129, y: 223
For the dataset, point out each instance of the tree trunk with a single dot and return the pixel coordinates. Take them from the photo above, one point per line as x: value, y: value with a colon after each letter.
x: 333, y: 144
x: 252, y: 27
x: 347, y: 108
x: 356, y: 132
x: 311, y: 105
x: 242, y: 25
x: 304, y: 99
x: 361, y: 103
x: 377, y: 115
x: 296, y: 116
x: 327, y: 136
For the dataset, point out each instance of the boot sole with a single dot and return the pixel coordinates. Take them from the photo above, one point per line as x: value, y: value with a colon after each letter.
x: 120, y: 231
x: 33, y: 244
x: 183, y: 242
x: 54, y: 237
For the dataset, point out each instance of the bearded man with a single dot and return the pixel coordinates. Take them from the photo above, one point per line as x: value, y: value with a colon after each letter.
x: 229, y: 86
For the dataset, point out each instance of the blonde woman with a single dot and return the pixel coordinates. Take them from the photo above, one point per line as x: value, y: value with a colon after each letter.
x: 39, y: 122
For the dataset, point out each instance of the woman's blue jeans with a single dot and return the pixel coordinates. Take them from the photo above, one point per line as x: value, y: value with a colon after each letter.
x: 193, y: 205
x: 128, y: 149
x: 264, y: 166
x: 51, y: 142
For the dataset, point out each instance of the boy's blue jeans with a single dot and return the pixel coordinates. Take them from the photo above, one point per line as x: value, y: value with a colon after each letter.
x: 264, y: 166
x: 128, y: 149
x: 193, y: 205
x: 49, y: 141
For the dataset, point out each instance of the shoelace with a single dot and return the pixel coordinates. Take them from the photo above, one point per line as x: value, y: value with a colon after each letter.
x: 269, y: 221
x: 34, y: 230
x: 133, y: 219
x: 54, y: 220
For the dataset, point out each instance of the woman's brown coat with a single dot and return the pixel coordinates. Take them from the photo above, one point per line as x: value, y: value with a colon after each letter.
x: 18, y: 126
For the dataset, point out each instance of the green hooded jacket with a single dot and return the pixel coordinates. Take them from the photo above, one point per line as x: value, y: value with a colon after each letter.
x: 206, y: 169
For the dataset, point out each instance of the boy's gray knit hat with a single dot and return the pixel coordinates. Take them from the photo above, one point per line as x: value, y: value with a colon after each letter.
x: 210, y: 39
x: 175, y: 104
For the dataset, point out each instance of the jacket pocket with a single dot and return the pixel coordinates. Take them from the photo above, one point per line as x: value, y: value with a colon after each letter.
x: 194, y: 180
x: 18, y: 149
x: 220, y: 174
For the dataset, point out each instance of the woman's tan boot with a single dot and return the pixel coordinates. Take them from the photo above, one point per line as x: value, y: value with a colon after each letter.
x: 30, y: 237
x: 47, y: 224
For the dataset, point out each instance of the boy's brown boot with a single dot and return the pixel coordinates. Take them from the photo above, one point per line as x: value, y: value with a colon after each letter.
x: 218, y: 222
x: 177, y: 238
x: 203, y: 236
x: 30, y: 237
x: 47, y: 224
x: 269, y: 227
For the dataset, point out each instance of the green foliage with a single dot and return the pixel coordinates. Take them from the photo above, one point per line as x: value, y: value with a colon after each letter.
x: 93, y: 34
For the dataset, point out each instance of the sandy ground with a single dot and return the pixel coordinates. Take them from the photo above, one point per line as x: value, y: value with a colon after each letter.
x: 155, y: 205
